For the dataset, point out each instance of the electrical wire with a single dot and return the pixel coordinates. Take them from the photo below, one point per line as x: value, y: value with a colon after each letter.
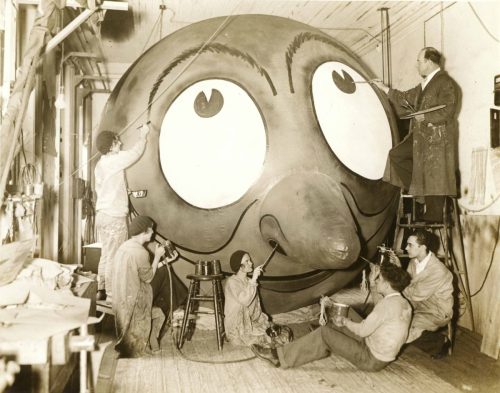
x: 440, y: 12
x: 482, y: 208
x: 491, y: 261
x: 482, y: 23
x: 151, y: 32
x: 21, y: 137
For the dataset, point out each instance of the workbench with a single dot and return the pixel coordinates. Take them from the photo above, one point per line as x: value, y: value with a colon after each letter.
x: 47, y: 365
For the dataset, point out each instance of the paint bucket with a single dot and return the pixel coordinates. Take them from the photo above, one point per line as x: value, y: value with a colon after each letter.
x: 338, y: 310
x: 207, y: 268
x: 216, y: 269
x: 203, y: 268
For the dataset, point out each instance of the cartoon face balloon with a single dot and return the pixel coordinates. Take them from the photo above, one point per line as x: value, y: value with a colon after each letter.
x: 264, y: 139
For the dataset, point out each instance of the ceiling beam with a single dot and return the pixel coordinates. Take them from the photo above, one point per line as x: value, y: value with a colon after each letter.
x: 73, y: 25
x: 106, y: 5
x: 69, y: 28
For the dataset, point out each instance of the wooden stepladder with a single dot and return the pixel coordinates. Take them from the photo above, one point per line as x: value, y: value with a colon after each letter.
x: 444, y: 229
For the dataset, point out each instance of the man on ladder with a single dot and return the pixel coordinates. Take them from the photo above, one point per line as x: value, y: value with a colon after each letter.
x: 424, y: 163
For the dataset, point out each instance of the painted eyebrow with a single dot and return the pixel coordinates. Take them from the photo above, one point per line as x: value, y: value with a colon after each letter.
x: 297, y: 42
x: 214, y: 48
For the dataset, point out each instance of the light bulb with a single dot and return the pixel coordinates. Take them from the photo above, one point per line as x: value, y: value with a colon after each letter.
x: 60, y: 102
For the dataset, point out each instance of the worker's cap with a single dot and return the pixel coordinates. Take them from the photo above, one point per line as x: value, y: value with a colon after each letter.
x: 105, y: 140
x: 235, y: 260
x: 140, y: 224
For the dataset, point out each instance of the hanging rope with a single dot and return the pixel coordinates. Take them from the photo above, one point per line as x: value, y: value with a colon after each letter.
x: 324, y: 302
x: 151, y: 32
x: 482, y: 23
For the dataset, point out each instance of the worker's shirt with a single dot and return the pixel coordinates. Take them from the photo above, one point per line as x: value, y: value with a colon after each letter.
x: 430, y: 291
x: 420, y: 265
x: 244, y: 321
x: 132, y: 297
x: 386, y: 327
x: 110, y: 182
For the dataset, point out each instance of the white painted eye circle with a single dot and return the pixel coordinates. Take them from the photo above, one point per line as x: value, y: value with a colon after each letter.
x: 212, y: 143
x: 352, y: 119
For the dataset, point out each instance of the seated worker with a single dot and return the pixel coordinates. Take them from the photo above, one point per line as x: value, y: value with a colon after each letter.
x: 370, y: 345
x: 431, y: 289
x: 244, y: 321
x: 137, y: 322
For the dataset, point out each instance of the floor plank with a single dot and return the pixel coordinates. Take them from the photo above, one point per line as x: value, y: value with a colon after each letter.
x: 201, y: 367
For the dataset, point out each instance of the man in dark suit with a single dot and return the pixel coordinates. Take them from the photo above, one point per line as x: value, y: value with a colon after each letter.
x: 424, y: 163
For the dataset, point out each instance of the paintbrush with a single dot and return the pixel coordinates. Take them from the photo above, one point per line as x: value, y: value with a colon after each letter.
x: 270, y: 256
x: 368, y: 81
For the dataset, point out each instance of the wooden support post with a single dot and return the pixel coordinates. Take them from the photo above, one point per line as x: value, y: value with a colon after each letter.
x: 11, y: 123
x: 10, y: 51
x: 67, y: 165
x: 30, y: 81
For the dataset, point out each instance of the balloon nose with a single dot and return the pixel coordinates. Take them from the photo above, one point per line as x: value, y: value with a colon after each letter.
x: 309, y: 218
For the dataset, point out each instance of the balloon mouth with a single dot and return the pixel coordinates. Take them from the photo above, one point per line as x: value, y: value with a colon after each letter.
x: 294, y: 283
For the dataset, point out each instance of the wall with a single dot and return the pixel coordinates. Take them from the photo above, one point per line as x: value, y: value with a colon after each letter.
x: 472, y: 59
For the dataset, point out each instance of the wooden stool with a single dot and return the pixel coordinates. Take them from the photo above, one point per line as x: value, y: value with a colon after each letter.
x: 194, y: 296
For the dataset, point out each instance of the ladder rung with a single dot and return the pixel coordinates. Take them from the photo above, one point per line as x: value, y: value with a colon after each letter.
x: 420, y: 225
x: 202, y: 298
x: 451, y: 219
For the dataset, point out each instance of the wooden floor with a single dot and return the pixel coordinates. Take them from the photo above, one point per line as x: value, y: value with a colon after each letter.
x: 201, y: 368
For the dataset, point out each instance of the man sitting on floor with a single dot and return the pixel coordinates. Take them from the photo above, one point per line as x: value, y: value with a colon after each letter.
x: 370, y: 344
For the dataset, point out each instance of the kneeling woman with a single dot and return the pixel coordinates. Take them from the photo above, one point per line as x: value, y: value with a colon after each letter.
x: 138, y: 323
x: 245, y: 322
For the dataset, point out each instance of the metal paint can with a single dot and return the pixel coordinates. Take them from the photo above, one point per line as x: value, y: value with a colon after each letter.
x: 216, y: 268
x: 338, y: 310
x: 203, y: 268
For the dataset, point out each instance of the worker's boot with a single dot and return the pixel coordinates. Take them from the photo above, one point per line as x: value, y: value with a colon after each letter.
x: 267, y: 354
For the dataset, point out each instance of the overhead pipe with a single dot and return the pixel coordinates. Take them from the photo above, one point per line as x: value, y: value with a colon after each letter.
x: 69, y: 28
x: 386, y: 46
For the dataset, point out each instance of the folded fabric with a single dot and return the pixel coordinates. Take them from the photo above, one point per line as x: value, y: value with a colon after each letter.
x: 13, y: 257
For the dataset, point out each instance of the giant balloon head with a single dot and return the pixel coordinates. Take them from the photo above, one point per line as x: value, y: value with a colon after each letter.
x: 265, y: 138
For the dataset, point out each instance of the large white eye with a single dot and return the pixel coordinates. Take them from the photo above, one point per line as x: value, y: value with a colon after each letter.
x: 212, y: 143
x: 352, y: 119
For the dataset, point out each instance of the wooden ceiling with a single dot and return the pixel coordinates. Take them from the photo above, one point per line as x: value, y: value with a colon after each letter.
x: 357, y: 24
